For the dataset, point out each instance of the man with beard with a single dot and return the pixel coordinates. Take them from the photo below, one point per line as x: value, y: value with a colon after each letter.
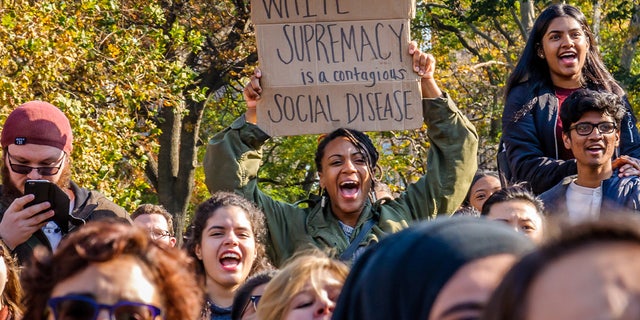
x: 36, y: 145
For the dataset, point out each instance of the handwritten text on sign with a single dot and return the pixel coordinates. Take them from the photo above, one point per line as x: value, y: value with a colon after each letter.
x: 330, y: 64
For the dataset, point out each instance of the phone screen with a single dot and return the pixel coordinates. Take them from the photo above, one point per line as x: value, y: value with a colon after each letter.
x: 40, y: 188
x: 45, y: 190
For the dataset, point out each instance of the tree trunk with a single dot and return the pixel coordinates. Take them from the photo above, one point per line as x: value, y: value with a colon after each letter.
x: 176, y: 159
x: 597, y: 18
x: 527, y: 16
x: 631, y: 43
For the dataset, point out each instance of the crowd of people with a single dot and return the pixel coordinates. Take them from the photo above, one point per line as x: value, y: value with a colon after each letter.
x: 456, y: 244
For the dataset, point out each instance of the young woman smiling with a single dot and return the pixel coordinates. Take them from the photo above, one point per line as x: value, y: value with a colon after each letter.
x: 226, y: 243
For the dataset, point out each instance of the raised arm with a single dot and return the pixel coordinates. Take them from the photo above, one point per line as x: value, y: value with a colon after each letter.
x: 452, y: 156
x: 232, y: 162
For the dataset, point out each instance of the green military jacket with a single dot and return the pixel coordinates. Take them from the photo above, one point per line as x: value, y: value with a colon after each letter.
x: 234, y: 155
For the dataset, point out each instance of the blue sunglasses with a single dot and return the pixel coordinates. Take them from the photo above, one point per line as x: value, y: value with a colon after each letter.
x: 78, y: 307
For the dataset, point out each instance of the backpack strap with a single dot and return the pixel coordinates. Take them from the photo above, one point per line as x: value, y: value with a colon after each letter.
x: 348, y: 253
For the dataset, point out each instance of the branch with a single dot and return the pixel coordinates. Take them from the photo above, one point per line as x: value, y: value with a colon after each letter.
x: 464, y: 43
x: 503, y: 32
x: 151, y: 169
x: 488, y: 63
x: 435, y: 5
x: 523, y: 30
x: 485, y: 36
x: 458, y: 33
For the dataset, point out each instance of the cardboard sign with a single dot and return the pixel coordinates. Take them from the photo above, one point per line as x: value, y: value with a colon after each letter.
x: 328, y: 64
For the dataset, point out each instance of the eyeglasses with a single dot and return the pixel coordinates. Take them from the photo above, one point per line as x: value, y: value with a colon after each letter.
x: 76, y: 307
x: 585, y: 128
x: 157, y: 234
x: 253, y: 300
x: 44, y: 171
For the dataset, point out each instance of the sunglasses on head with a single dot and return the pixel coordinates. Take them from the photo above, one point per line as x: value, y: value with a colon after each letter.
x: 76, y: 307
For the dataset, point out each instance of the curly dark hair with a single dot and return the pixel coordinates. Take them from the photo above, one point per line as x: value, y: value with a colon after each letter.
x: 583, y: 100
x: 106, y: 240
x: 207, y: 209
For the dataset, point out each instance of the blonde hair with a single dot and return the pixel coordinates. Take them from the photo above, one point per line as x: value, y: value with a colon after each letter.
x: 303, y: 268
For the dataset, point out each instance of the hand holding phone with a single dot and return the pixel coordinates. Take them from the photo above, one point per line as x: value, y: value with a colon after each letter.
x: 45, y: 190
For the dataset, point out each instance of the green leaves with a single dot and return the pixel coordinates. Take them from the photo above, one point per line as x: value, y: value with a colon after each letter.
x: 111, y: 66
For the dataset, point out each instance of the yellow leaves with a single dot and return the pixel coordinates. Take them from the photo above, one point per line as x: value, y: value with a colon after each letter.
x: 118, y: 92
x: 113, y: 51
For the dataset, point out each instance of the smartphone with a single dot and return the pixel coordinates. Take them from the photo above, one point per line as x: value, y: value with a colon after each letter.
x: 39, y: 188
x: 45, y: 190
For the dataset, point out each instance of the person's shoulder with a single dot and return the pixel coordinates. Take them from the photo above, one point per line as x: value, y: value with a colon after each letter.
x: 557, y: 190
x: 517, y: 97
x: 94, y: 204
x: 627, y: 182
x: 529, y: 89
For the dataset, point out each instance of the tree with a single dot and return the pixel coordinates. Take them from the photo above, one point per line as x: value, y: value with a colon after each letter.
x: 476, y: 43
x: 147, y: 83
x: 138, y: 72
x: 630, y: 47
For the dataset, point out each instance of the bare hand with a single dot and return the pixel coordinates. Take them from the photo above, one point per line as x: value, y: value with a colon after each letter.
x: 627, y: 166
x: 19, y: 223
x: 424, y: 65
x: 251, y: 92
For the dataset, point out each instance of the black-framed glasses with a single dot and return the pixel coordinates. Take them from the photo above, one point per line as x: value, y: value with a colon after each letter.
x: 585, y: 128
x: 44, y: 171
x: 253, y: 301
x: 157, y: 234
x: 78, y: 307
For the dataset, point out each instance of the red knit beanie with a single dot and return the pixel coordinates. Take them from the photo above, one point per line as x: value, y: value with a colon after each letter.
x: 37, y: 122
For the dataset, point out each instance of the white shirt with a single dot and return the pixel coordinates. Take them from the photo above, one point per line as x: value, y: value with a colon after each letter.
x: 53, y: 232
x: 583, y: 203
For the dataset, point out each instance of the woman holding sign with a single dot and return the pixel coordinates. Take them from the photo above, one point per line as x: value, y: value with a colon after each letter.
x: 347, y: 216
